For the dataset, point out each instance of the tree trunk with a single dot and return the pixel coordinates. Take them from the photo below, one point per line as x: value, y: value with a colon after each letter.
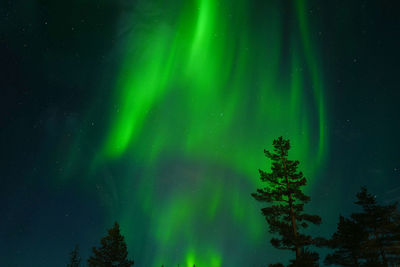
x: 291, y: 212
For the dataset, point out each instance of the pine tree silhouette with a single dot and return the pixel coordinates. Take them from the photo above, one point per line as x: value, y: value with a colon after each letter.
x: 75, y: 259
x: 346, y: 243
x: 285, y: 212
x: 382, y: 225
x: 113, y: 251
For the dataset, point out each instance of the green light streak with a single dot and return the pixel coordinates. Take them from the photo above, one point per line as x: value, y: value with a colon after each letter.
x: 140, y: 90
x: 315, y: 77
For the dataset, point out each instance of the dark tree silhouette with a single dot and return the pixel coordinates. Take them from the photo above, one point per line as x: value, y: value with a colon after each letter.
x: 113, y: 251
x: 74, y: 259
x: 382, y: 225
x: 346, y: 243
x: 285, y: 212
x: 306, y: 259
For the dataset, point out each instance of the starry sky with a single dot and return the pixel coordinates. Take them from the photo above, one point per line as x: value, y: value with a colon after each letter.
x: 155, y: 114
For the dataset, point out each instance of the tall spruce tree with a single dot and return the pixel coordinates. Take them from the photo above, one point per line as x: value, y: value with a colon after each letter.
x: 285, y: 213
x: 74, y: 259
x: 113, y: 251
x: 382, y: 225
x: 347, y: 244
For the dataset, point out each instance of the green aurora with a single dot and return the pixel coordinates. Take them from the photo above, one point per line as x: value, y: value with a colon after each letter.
x: 155, y: 114
x: 203, y: 89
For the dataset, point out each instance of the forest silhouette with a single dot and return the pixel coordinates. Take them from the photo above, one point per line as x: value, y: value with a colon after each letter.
x: 370, y: 237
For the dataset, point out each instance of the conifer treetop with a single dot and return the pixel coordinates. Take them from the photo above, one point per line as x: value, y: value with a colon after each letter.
x: 113, y: 251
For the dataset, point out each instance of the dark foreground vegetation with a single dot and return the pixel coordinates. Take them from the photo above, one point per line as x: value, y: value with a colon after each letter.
x: 112, y: 252
x: 369, y: 238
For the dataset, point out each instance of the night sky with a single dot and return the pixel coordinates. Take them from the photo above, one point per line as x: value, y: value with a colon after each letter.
x: 155, y: 114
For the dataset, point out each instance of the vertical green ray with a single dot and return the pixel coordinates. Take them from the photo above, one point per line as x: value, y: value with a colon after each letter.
x: 313, y: 66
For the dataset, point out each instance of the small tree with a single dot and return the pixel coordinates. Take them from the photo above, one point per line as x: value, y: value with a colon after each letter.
x: 285, y: 212
x: 75, y: 259
x: 382, y: 225
x: 346, y: 243
x: 113, y: 251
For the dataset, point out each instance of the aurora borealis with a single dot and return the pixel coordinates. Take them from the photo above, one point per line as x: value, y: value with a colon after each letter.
x: 191, y: 74
x: 155, y: 114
